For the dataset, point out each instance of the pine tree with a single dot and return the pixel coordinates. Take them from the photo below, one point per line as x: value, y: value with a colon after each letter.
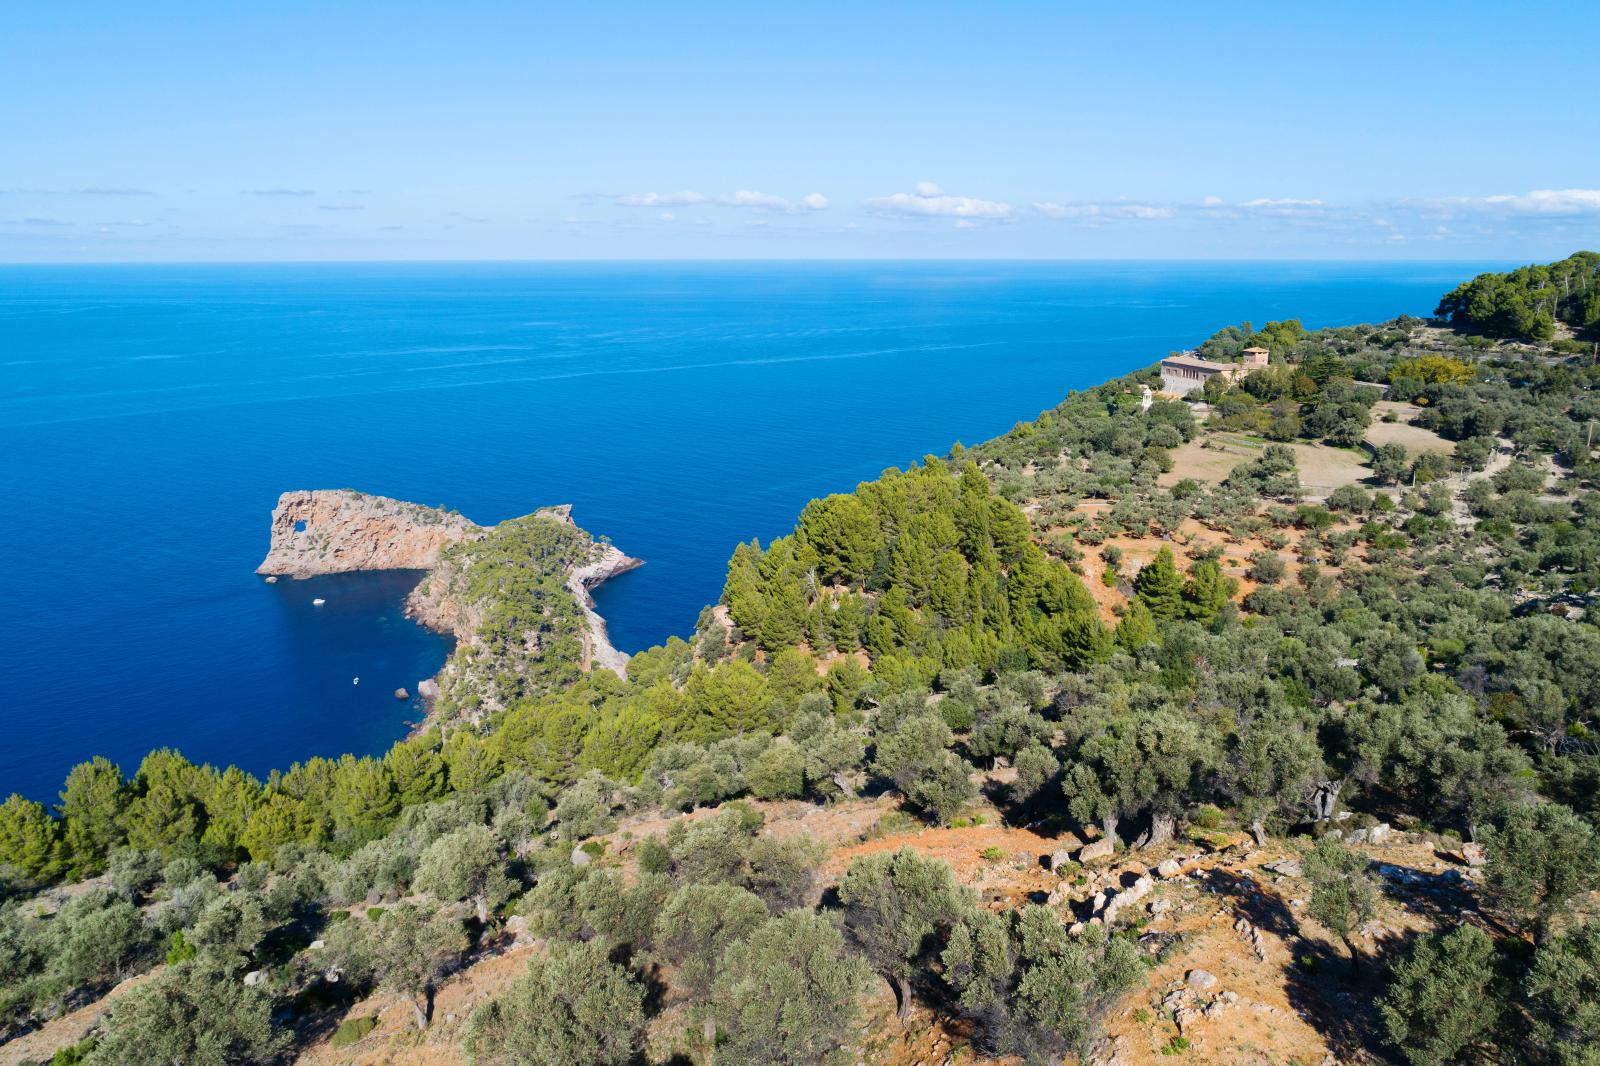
x: 418, y: 770
x: 1160, y: 586
x: 232, y: 799
x: 731, y: 699
x: 29, y: 838
x: 91, y: 801
x: 1208, y: 591
x: 1138, y: 627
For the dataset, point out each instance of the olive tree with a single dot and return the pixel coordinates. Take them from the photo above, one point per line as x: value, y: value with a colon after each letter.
x: 897, y: 906
x: 573, y: 1005
x: 1443, y: 1003
x: 1540, y: 858
x: 694, y: 930
x: 405, y: 952
x: 192, y: 1014
x: 789, y: 992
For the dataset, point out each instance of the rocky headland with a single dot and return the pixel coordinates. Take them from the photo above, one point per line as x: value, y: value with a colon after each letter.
x: 336, y: 531
x: 515, y: 596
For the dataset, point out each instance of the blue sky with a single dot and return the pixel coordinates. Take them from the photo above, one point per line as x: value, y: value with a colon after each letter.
x: 167, y: 131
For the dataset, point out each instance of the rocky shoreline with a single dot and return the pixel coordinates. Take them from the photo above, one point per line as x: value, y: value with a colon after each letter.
x: 582, y: 581
x: 330, y: 531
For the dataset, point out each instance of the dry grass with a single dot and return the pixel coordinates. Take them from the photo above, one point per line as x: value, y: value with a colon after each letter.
x: 1211, y: 457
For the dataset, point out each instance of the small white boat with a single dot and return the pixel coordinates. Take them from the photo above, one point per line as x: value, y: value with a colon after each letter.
x: 318, y: 602
x: 355, y: 681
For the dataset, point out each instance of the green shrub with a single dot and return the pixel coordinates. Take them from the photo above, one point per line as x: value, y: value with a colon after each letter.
x: 350, y: 1030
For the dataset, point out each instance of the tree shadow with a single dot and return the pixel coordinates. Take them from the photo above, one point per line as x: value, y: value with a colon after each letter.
x: 1334, y: 994
x: 318, y: 1010
x: 1440, y: 897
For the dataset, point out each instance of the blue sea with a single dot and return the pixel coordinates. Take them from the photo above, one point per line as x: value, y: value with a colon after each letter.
x: 151, y: 415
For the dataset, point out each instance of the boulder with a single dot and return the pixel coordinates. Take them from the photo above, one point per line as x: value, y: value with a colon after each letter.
x: 254, y: 978
x: 1473, y: 854
x: 1160, y: 907
x: 1169, y: 868
x: 1060, y: 859
x: 1103, y: 848
x: 581, y: 857
x: 318, y: 945
x: 1200, y: 980
x: 1284, y: 868
x: 429, y: 689
x: 401, y: 693
x: 1379, y: 834
x: 1127, y: 897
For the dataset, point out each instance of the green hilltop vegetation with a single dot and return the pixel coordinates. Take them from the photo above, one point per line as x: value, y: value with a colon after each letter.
x: 529, y: 638
x: 1532, y: 302
x: 1417, y: 646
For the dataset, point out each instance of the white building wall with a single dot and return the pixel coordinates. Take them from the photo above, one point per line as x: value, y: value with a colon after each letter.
x: 1179, y: 382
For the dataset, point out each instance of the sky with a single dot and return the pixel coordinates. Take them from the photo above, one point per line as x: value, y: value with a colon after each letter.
x: 475, y: 130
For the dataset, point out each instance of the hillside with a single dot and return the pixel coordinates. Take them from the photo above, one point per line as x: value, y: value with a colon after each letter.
x: 1252, y: 727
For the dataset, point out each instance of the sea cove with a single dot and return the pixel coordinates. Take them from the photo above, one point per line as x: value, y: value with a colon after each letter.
x: 153, y: 414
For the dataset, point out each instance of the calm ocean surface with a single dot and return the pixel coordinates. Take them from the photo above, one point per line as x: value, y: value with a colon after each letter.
x: 150, y: 415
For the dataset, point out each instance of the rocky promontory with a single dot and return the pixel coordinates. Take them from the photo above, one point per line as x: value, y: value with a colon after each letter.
x: 515, y: 596
x: 335, y: 531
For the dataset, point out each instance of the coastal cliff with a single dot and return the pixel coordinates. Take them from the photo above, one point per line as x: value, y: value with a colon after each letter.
x: 515, y: 596
x: 335, y: 531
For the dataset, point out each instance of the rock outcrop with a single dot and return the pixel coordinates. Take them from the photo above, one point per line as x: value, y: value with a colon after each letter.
x: 607, y: 564
x: 335, y: 531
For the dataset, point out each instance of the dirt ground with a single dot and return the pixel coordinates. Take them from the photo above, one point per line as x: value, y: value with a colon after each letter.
x: 69, y: 1029
x: 1284, y: 991
x: 1280, y: 990
x: 1413, y: 438
x: 1211, y: 457
x: 1191, y: 535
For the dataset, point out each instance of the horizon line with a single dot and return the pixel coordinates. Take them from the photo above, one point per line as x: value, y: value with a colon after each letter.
x: 757, y: 259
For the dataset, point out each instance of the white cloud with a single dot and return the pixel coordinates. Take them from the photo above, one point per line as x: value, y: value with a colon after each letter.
x: 1054, y: 210
x: 1545, y: 202
x: 1286, y: 202
x: 1118, y: 209
x: 930, y: 201
x: 661, y: 199
x: 666, y: 216
x: 965, y: 223
x: 1286, y: 207
x: 1213, y: 201
x: 762, y: 201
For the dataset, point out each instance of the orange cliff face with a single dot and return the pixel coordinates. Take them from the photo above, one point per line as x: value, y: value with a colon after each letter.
x: 335, y: 531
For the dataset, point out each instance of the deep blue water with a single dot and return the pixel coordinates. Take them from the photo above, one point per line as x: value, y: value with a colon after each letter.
x: 150, y: 415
